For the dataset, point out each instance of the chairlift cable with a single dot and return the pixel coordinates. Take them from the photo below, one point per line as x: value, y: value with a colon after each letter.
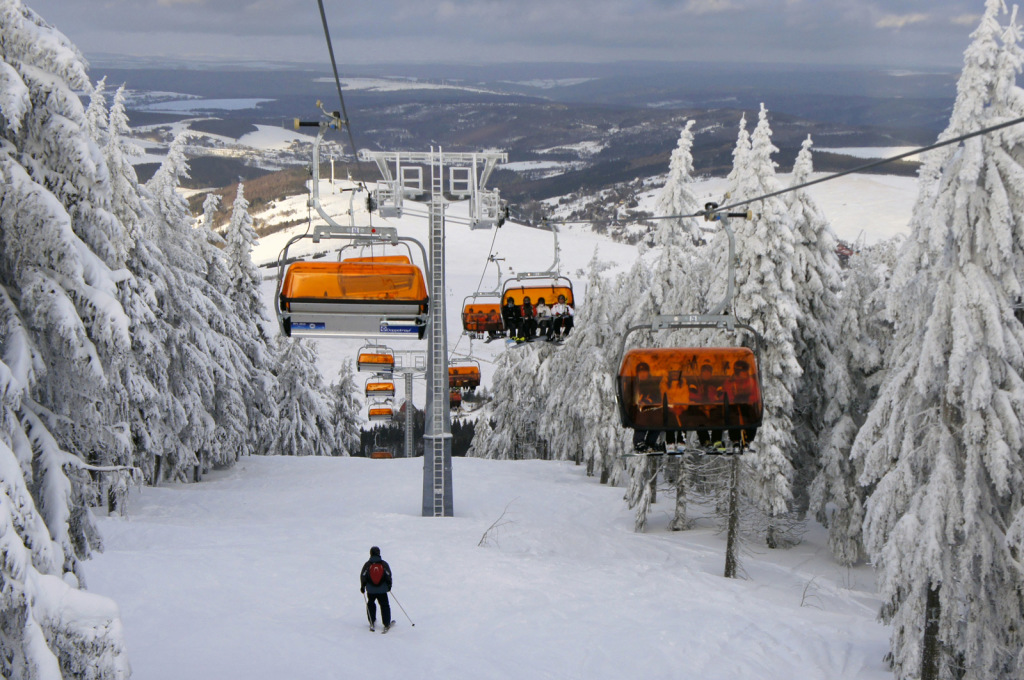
x: 861, y: 168
x: 341, y: 98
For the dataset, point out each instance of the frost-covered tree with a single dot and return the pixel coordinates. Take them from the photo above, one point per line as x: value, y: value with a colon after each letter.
x: 519, y: 400
x: 580, y: 419
x: 244, y: 293
x: 155, y: 416
x: 96, y: 112
x: 943, y: 444
x: 206, y: 371
x: 306, y: 426
x: 677, y: 198
x: 765, y: 299
x: 825, y: 425
x: 61, y: 329
x: 346, y: 407
x: 60, y: 266
x: 210, y: 206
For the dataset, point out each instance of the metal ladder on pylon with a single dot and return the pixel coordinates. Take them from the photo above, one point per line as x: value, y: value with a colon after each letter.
x: 439, y: 441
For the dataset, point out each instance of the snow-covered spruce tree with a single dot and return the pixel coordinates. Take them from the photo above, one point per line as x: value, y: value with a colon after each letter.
x: 244, y: 292
x: 678, y: 281
x: 205, y: 369
x: 60, y: 329
x: 631, y: 305
x: 518, y: 401
x: 676, y: 198
x: 96, y: 112
x: 210, y: 206
x: 825, y: 426
x: 306, y: 427
x: 346, y: 406
x: 60, y: 265
x: 48, y: 629
x: 863, y: 338
x: 581, y: 419
x: 765, y: 299
x: 155, y: 416
x: 943, y: 444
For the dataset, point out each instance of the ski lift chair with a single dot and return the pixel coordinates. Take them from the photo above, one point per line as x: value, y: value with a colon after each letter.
x: 712, y: 391
x: 375, y: 359
x: 464, y: 374
x: 481, y: 317
x: 537, y: 287
x: 353, y: 299
x: 380, y: 411
x: 379, y: 387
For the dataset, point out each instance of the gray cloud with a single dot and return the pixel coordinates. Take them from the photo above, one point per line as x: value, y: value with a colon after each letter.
x: 889, y: 32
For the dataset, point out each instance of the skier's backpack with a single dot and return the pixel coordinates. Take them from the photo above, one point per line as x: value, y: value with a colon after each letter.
x: 376, y: 573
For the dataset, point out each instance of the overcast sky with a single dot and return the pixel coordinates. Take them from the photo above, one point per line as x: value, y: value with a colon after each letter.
x: 896, y: 33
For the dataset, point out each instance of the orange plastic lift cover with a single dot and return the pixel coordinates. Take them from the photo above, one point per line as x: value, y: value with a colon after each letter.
x: 690, y: 389
x: 482, y: 318
x: 381, y: 454
x: 353, y: 282
x: 380, y: 412
x: 535, y: 293
x: 454, y: 399
x: 380, y: 388
x: 378, y: 362
x: 463, y: 376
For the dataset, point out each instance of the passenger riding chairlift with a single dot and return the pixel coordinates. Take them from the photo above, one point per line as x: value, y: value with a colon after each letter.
x: 454, y: 399
x: 463, y: 374
x: 375, y: 359
x: 484, y: 318
x: 379, y: 386
x: 362, y: 297
x: 713, y: 391
x: 547, y: 284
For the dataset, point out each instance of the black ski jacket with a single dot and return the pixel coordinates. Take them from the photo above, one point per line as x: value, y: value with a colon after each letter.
x: 364, y: 577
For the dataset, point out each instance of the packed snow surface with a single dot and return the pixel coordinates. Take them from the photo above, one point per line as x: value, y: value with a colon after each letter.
x: 254, y: 574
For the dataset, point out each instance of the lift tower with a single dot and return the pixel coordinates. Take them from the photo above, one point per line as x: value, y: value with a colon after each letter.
x: 468, y: 174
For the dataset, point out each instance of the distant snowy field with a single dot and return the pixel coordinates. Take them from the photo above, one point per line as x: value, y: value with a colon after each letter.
x: 192, y: 105
x: 397, y: 84
x: 254, y: 574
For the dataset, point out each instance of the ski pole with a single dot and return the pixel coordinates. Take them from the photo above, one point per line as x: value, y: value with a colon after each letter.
x: 367, y: 603
x: 402, y: 608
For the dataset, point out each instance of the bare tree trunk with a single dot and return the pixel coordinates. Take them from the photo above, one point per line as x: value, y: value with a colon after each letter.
x: 931, y: 652
x: 652, y: 469
x: 682, y: 477
x: 732, y: 535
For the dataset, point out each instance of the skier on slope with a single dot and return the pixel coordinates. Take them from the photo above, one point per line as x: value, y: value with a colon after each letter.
x: 375, y: 581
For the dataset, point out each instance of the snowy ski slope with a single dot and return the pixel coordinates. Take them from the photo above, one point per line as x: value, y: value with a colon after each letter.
x: 253, y: 574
